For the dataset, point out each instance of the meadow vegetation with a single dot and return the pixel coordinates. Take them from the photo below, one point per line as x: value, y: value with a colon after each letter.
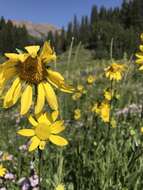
x: 104, y: 151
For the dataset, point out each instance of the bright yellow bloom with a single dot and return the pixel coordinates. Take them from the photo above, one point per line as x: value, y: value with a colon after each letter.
x: 45, y: 128
x: 29, y: 71
x: 77, y: 114
x: 114, y: 71
x: 60, y: 187
x: 103, y: 110
x: 90, y: 79
x: 108, y: 95
x: 2, y: 171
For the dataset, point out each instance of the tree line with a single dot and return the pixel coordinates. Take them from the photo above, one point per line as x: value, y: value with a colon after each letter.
x: 11, y: 36
x: 116, y: 28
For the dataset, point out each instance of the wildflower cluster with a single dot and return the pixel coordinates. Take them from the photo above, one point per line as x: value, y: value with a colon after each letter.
x: 32, y: 81
x: 30, y: 71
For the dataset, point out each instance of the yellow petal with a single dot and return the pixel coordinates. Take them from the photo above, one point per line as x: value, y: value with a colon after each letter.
x: 42, y: 145
x: 58, y: 81
x: 141, y: 47
x: 32, y: 50
x: 16, y: 57
x: 50, y: 96
x: 32, y: 121
x: 141, y: 68
x: 8, y: 64
x: 60, y: 141
x: 26, y: 132
x: 54, y: 115
x: 9, y: 72
x: 26, y: 100
x: 47, y: 54
x: 5, y: 75
x: 40, y: 99
x: 17, y: 93
x: 44, y: 118
x: 8, y: 99
x: 12, y: 56
x: 34, y: 143
x: 57, y: 127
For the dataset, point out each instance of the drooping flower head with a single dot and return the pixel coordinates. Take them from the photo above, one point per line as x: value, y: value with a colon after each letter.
x: 115, y: 71
x: 77, y: 114
x: 103, y: 110
x: 45, y: 128
x: 108, y: 94
x: 29, y: 71
x: 139, y: 55
x: 79, y: 92
x: 2, y: 171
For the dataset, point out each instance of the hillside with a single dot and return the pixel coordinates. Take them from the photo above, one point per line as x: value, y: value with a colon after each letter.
x: 36, y: 29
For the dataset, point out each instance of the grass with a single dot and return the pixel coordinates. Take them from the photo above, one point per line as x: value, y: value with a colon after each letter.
x: 98, y: 156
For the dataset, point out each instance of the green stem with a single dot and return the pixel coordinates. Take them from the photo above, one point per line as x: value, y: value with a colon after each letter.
x: 39, y: 168
x: 110, y: 116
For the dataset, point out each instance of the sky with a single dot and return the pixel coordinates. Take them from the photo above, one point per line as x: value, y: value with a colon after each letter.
x: 56, y: 12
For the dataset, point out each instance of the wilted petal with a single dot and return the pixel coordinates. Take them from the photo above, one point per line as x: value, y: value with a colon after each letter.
x: 8, y: 99
x: 26, y: 100
x: 40, y: 99
x: 50, y: 96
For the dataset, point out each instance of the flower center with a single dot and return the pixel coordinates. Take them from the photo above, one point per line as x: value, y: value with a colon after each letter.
x: 32, y: 70
x: 42, y: 131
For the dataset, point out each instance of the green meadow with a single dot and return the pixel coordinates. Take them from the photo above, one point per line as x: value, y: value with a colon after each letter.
x: 100, y: 155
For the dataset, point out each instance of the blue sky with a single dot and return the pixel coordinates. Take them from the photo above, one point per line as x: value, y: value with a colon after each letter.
x: 57, y: 12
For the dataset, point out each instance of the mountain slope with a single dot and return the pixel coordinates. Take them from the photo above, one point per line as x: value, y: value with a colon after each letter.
x: 37, y: 30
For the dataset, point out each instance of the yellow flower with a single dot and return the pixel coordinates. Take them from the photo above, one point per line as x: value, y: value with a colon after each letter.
x: 2, y: 170
x: 45, y: 128
x: 90, y: 79
x: 114, y: 71
x: 108, y: 95
x: 60, y: 187
x: 103, y: 110
x: 29, y: 71
x: 77, y: 114
x: 76, y: 96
